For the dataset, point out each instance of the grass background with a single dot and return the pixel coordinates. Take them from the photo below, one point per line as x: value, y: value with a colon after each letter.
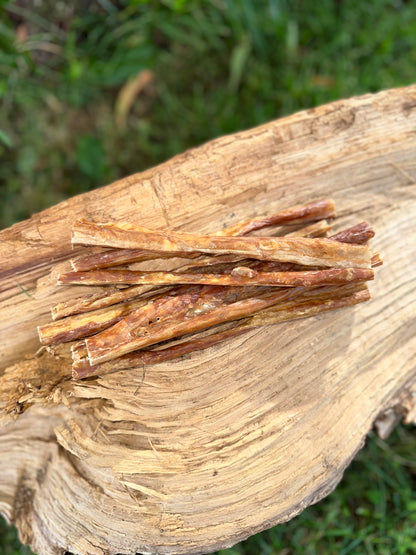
x: 91, y: 91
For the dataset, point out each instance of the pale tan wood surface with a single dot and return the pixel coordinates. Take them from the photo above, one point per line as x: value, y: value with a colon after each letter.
x: 193, y: 455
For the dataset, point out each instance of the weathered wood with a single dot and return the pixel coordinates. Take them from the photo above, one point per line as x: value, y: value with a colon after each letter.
x: 193, y: 455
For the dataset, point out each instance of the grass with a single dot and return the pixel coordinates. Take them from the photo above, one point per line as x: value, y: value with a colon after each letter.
x: 78, y: 112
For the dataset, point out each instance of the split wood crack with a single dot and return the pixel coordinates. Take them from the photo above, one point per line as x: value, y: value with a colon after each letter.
x: 234, y: 283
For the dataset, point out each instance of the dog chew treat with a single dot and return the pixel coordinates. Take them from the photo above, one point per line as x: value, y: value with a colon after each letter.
x: 132, y: 333
x: 82, y: 305
x: 237, y: 283
x: 82, y: 325
x: 358, y: 234
x: 301, y: 250
x: 118, y: 257
x: 299, y: 308
x: 318, y: 210
x: 238, y: 276
x: 81, y: 367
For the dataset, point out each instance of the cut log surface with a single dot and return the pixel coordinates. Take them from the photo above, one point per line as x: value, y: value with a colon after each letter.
x: 193, y: 455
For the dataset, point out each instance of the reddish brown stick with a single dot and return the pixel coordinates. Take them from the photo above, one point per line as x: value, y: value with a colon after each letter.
x: 82, y: 325
x: 185, y: 299
x: 238, y: 276
x: 314, y: 211
x: 127, y: 335
x: 360, y: 233
x: 117, y: 257
x: 306, y: 251
x: 100, y: 300
x: 82, y: 367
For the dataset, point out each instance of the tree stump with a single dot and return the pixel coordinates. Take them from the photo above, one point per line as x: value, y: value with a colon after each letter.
x: 193, y: 455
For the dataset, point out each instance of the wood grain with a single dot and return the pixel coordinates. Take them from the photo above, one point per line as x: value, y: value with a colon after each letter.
x: 194, y: 455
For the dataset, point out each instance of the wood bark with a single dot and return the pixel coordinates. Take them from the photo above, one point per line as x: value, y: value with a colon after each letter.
x: 193, y: 455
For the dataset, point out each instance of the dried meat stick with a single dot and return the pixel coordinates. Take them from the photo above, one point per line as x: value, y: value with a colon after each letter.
x: 317, y: 210
x: 317, y: 229
x: 359, y: 234
x: 301, y: 250
x: 118, y: 257
x: 78, y: 326
x: 376, y: 260
x: 81, y: 367
x: 127, y: 335
x: 237, y: 276
x: 82, y: 325
x: 102, y: 300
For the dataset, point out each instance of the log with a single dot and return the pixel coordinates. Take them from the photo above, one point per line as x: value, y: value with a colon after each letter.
x: 196, y: 454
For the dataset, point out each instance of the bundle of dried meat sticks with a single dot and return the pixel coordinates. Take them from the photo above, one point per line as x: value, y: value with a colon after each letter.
x: 232, y: 282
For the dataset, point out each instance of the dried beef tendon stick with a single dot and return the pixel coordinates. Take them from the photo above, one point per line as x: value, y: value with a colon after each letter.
x: 127, y: 336
x: 310, y: 303
x: 81, y: 325
x: 317, y: 210
x: 376, y: 261
x: 117, y: 257
x: 81, y: 367
x: 237, y: 276
x: 317, y: 229
x: 96, y: 301
x: 359, y: 234
x: 78, y: 326
x: 145, y: 315
x: 177, y: 305
x: 301, y: 307
x: 306, y: 251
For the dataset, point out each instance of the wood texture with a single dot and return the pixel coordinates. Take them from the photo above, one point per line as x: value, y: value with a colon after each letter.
x: 194, y: 455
